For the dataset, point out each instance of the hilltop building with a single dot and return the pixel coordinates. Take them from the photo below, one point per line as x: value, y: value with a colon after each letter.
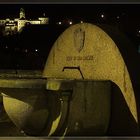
x: 16, y: 25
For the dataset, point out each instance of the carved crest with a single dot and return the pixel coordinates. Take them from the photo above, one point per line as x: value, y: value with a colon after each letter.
x: 79, y: 39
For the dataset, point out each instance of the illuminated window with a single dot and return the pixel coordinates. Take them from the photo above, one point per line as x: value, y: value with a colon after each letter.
x: 102, y: 15
x: 36, y: 50
x: 59, y: 22
x: 70, y: 22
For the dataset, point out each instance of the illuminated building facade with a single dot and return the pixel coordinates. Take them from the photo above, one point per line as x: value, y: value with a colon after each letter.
x: 17, y: 24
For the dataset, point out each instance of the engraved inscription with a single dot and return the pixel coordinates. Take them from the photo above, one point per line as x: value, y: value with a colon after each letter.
x: 79, y: 58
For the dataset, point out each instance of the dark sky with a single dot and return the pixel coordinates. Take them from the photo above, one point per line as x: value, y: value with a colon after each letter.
x: 125, y: 17
x: 129, y: 14
x: 69, y: 9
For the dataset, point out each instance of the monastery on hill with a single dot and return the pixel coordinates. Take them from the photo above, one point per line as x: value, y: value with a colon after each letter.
x: 16, y: 25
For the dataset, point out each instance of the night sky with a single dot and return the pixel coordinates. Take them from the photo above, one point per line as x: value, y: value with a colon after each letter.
x: 123, y: 17
x: 126, y: 17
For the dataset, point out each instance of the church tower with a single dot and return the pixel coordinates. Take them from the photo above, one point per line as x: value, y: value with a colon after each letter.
x: 22, y: 13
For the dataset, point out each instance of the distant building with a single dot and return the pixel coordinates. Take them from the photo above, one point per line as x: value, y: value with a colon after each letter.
x: 16, y: 25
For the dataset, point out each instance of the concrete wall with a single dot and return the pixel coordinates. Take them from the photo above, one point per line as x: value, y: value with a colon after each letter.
x: 84, y: 51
